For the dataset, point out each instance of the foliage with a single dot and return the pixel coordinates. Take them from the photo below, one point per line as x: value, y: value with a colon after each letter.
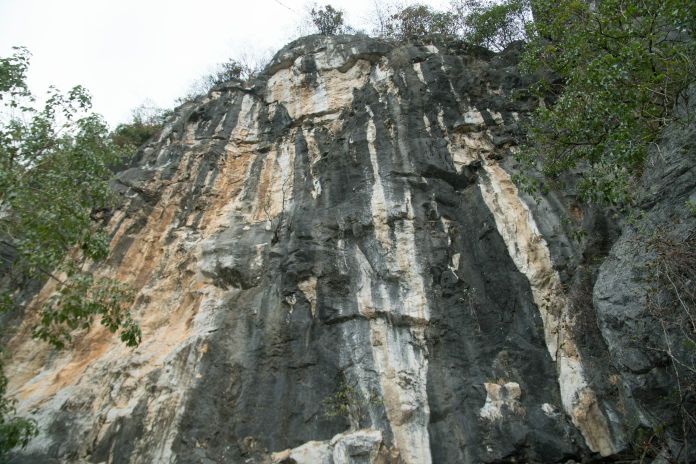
x: 14, y: 431
x: 420, y: 22
x: 242, y: 69
x: 487, y: 23
x: 146, y: 121
x: 327, y: 20
x: 617, y: 69
x: 381, y: 14
x: 348, y: 403
x: 55, y: 162
x: 691, y: 208
x: 77, y: 301
x: 494, y: 25
x: 230, y: 70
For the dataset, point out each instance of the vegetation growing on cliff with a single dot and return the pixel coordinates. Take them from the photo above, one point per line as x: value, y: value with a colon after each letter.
x: 240, y: 70
x: 493, y: 25
x: 616, y: 71
x: 613, y: 73
x: 55, y: 162
x: 671, y: 304
x: 613, y: 76
x: 14, y: 431
x: 146, y: 121
x: 420, y: 23
x: 328, y: 20
x: 348, y: 402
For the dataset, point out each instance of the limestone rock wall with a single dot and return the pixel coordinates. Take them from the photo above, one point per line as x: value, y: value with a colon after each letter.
x: 333, y: 265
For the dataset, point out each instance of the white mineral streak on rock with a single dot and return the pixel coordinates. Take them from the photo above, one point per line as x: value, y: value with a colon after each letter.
x: 400, y: 365
x: 403, y: 370
x: 398, y: 352
x: 527, y: 248
x: 454, y: 266
x: 102, y: 380
x: 413, y: 298
x: 235, y: 166
x: 446, y: 226
x: 446, y: 71
x: 332, y: 90
x: 501, y: 398
x: 549, y: 410
x: 377, y: 200
x: 441, y: 120
x: 165, y: 409
x: 247, y: 128
x: 316, y: 188
x: 426, y: 123
x: 464, y: 149
x: 314, y: 156
x: 382, y: 78
x: 275, y: 186
x: 531, y: 256
x: 419, y: 72
x: 473, y: 118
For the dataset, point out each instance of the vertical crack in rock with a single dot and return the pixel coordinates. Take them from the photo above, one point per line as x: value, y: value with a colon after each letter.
x: 531, y: 255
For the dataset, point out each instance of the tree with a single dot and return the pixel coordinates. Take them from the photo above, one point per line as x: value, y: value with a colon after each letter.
x: 328, y: 20
x: 241, y: 70
x: 146, y: 121
x: 420, y: 22
x: 617, y: 70
x: 493, y: 25
x: 55, y: 162
x: 14, y: 431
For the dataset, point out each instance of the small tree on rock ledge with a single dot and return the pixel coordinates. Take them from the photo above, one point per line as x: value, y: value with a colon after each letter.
x: 328, y: 20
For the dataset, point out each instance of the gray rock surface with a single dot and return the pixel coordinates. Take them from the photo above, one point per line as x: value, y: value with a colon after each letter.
x: 342, y: 234
x: 647, y: 344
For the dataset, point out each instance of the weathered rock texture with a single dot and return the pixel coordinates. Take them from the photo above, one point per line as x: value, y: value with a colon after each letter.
x: 344, y: 235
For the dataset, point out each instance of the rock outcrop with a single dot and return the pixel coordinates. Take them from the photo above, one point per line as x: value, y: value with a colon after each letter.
x: 334, y: 265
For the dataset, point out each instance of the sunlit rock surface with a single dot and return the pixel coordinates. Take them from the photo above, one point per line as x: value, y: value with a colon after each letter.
x: 346, y: 226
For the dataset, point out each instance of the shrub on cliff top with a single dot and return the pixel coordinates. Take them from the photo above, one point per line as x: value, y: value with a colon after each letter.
x: 146, y: 121
x: 420, y: 23
x: 493, y: 25
x: 327, y: 20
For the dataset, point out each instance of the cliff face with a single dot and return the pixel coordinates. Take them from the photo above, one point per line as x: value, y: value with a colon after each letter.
x: 333, y: 265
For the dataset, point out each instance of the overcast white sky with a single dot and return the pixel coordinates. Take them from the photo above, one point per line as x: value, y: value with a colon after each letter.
x: 127, y: 51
